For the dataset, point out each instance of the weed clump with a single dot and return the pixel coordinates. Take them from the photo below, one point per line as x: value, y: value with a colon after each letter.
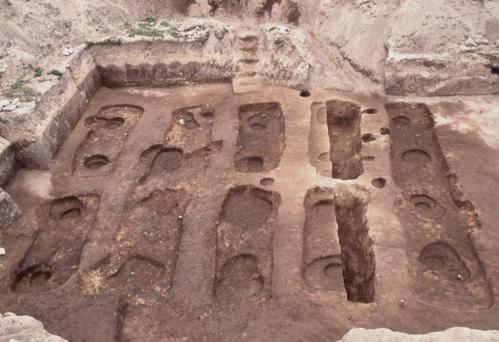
x: 55, y: 72
x: 150, y: 27
x: 146, y: 28
x: 38, y: 72
x: 150, y: 20
x: 23, y: 92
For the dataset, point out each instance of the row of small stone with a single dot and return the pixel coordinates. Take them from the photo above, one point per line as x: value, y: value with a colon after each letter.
x: 9, y: 105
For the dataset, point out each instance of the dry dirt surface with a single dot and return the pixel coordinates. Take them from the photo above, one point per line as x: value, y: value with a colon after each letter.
x: 253, y: 173
x: 410, y: 47
x: 195, y: 213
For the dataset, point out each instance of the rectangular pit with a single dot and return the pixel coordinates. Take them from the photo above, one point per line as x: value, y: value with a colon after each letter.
x: 244, y: 258
x: 261, y: 139
x: 343, y: 121
x: 445, y: 266
x: 171, y: 149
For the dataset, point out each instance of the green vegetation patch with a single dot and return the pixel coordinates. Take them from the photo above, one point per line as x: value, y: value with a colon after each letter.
x: 150, y: 27
x: 146, y: 28
x: 23, y: 92
x: 145, y: 31
x: 150, y: 20
x: 38, y: 72
x: 55, y: 72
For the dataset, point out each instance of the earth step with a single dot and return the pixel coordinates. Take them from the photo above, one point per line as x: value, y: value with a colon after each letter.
x: 247, y: 67
x: 247, y: 84
x: 247, y: 35
x: 248, y: 59
x: 242, y: 54
x: 248, y: 45
x: 246, y: 73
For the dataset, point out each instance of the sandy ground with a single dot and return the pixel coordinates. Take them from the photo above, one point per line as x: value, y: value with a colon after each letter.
x: 34, y: 33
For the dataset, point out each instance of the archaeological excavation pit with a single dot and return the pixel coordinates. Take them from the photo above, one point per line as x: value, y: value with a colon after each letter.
x: 167, y: 196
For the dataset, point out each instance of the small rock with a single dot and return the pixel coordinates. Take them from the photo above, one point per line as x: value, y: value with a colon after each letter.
x: 2, y: 251
x: 180, y: 217
x: 67, y: 51
x: 402, y: 303
x: 10, y: 108
x: 460, y: 277
x: 470, y: 43
x: 9, y: 210
x: 181, y: 122
x: 15, y: 101
x: 453, y: 334
x: 464, y: 48
x: 15, y: 328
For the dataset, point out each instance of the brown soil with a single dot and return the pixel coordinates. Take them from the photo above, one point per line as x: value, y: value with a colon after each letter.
x: 437, y: 251
x: 193, y: 213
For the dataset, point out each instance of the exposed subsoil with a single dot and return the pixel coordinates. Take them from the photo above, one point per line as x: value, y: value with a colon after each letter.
x: 193, y: 213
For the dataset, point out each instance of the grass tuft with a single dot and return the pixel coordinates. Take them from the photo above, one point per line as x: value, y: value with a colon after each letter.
x: 145, y: 31
x: 55, y: 72
x: 151, y: 21
x: 23, y: 92
x: 38, y: 72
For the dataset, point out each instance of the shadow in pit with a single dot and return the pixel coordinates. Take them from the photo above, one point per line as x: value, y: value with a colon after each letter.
x: 323, y: 270
x: 335, y: 140
x: 343, y: 121
x: 444, y: 265
x: 338, y: 251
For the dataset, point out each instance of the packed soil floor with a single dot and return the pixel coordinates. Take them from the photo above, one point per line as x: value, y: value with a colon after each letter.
x: 193, y: 213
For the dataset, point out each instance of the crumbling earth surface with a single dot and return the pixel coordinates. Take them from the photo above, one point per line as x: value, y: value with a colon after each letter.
x: 24, y: 328
x: 439, y: 48
x: 454, y: 334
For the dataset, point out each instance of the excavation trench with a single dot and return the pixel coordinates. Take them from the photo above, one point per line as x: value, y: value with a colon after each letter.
x: 357, y: 254
x: 338, y: 253
x: 244, y: 258
x: 201, y: 206
x: 261, y: 138
x: 445, y: 266
x: 343, y: 122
